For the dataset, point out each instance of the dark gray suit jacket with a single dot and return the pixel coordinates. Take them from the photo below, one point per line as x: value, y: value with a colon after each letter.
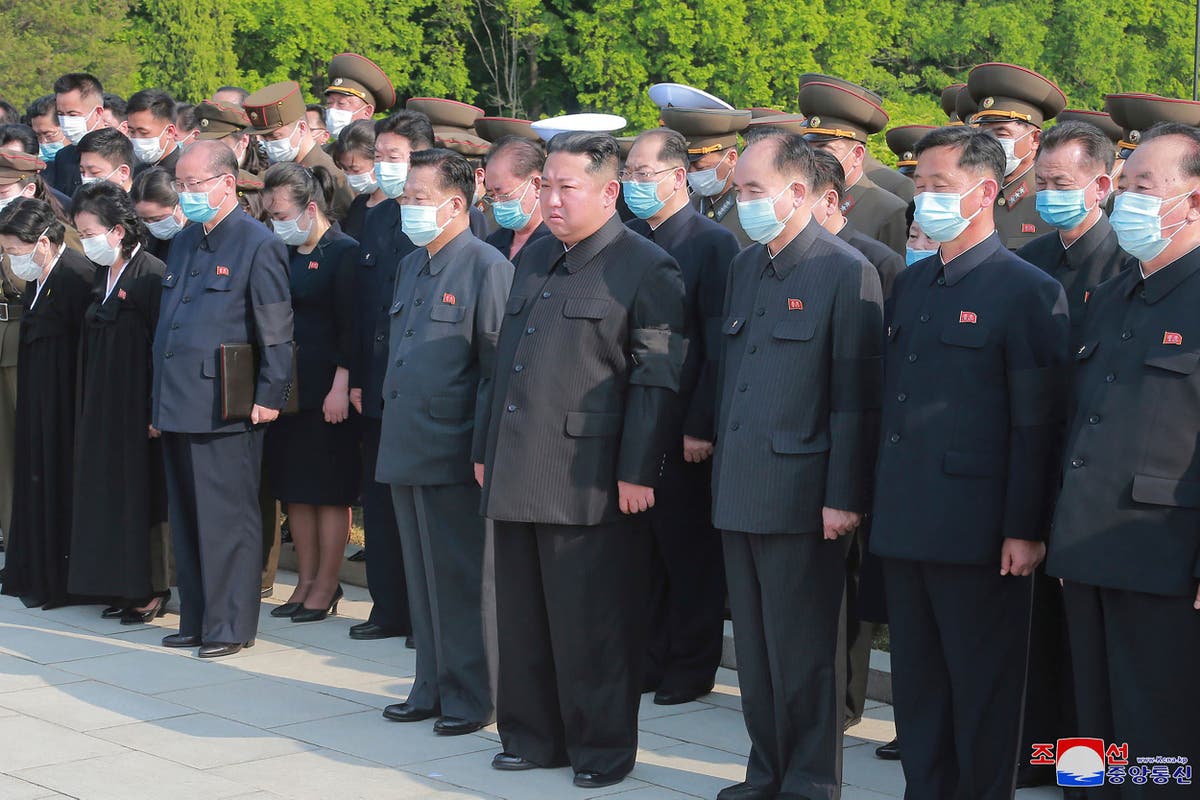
x: 586, y: 375
x: 445, y: 320
x: 799, y: 388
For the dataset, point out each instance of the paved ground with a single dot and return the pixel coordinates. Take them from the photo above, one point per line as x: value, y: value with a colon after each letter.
x: 90, y: 709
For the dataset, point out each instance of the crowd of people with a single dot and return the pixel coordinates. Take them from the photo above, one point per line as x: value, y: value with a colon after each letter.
x: 594, y: 394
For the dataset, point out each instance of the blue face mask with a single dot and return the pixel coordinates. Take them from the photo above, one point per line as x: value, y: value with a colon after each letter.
x: 758, y: 218
x: 419, y: 223
x: 1064, y: 209
x: 642, y: 198
x: 48, y: 150
x: 912, y: 256
x: 391, y: 177
x: 196, y: 207
x: 1137, y: 220
x: 940, y: 214
x: 510, y: 214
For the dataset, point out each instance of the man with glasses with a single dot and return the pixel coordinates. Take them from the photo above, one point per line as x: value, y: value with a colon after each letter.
x: 226, y: 282
x: 512, y: 178
x: 688, y: 574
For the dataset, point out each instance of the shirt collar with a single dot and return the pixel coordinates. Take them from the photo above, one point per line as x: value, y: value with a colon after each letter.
x: 961, y: 265
x: 449, y: 251
x: 672, y: 226
x: 1160, y: 284
x: 786, y: 259
x: 1079, y: 252
x: 577, y: 257
x: 212, y: 240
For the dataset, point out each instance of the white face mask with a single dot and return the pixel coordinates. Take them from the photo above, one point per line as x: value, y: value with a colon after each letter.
x: 336, y: 119
x: 165, y: 228
x: 1011, y: 161
x: 4, y: 201
x: 289, y: 230
x: 99, y: 250
x: 705, y: 182
x: 86, y: 180
x: 148, y: 151
x: 282, y: 150
x: 24, y: 267
x: 363, y: 182
x: 74, y: 128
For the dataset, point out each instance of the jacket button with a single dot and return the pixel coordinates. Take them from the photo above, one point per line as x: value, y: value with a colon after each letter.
x: 518, y: 368
x: 379, y: 338
x: 753, y: 349
x: 187, y: 299
x: 1126, y: 334
x: 1110, y: 377
x: 174, y: 326
x: 1094, y: 419
x: 894, y: 438
x: 418, y: 302
x: 912, y: 357
x: 735, y: 426
x: 924, y: 318
x: 1076, y: 462
x: 902, y: 397
x: 545, y: 295
x: 760, y: 311
x: 941, y: 281
x: 743, y: 387
x: 394, y: 394
x: 511, y: 408
x: 409, y: 332
x: 529, y: 331
x: 195, y: 272
x: 168, y: 354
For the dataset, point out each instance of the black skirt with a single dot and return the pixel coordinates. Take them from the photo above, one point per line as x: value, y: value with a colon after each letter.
x: 307, y: 460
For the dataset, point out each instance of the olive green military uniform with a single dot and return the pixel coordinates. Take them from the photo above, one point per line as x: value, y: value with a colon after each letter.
x: 1006, y: 93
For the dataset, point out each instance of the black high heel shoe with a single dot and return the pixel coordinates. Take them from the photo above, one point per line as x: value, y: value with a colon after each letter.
x: 113, y: 612
x: 132, y: 616
x: 306, y: 614
x: 286, y: 610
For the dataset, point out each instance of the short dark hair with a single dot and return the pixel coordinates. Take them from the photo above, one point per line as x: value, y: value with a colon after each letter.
x: 302, y: 185
x: 110, y: 204
x: 154, y: 185
x: 357, y: 137
x: 978, y: 150
x: 26, y: 219
x: 525, y: 155
x: 110, y: 144
x: 238, y: 90
x: 185, y: 117
x: 455, y: 173
x: 116, y: 105
x: 160, y: 104
x: 1190, y: 164
x: 41, y: 107
x: 86, y: 84
x: 601, y: 149
x: 793, y: 155
x: 20, y: 133
x: 672, y: 147
x: 319, y: 110
x: 828, y: 173
x: 9, y: 113
x: 760, y: 132
x: 1097, y: 148
x: 412, y: 125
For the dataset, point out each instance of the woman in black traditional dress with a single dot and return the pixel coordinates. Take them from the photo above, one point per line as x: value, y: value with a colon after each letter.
x: 354, y: 153
x: 311, y: 458
x: 58, y: 290
x: 118, y: 542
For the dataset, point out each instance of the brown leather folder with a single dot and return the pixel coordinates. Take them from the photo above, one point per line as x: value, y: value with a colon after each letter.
x: 239, y: 379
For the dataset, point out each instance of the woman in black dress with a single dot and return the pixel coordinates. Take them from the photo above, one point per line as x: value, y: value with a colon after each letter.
x: 311, y: 458
x: 354, y: 153
x: 118, y: 540
x: 55, y: 297
x: 157, y: 205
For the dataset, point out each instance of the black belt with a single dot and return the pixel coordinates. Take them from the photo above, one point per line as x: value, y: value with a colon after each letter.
x: 11, y: 312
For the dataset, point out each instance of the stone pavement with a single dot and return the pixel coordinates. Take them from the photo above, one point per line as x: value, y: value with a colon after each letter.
x: 93, y: 710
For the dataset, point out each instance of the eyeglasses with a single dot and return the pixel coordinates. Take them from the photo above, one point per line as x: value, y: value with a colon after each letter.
x: 642, y: 176
x: 191, y: 186
x: 491, y: 199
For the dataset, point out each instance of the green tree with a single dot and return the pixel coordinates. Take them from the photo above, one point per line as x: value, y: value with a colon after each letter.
x: 48, y: 38
x: 506, y: 35
x: 186, y: 48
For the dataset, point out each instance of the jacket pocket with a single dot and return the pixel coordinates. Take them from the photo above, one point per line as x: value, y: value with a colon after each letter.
x: 1086, y: 350
x: 733, y: 326
x: 208, y: 368
x: 791, y: 443
x: 1166, y: 492
x: 582, y: 423
x: 965, y: 335
x: 218, y: 283
x: 445, y: 313
x: 796, y: 330
x: 514, y: 305
x: 971, y: 465
x: 1172, y: 359
x: 447, y: 407
x: 586, y: 307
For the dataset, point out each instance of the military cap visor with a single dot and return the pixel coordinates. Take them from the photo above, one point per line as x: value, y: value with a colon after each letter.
x: 446, y: 113
x: 1005, y: 92
x: 1138, y: 113
x: 902, y: 140
x: 216, y: 120
x: 1098, y: 118
x: 493, y: 128
x: 18, y: 166
x: 274, y: 106
x: 835, y: 112
x: 351, y: 74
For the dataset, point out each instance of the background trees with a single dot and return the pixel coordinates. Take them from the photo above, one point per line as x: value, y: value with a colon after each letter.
x: 535, y: 58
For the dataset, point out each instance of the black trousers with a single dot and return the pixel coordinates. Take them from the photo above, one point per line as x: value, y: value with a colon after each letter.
x: 443, y: 537
x: 786, y: 593
x: 385, y: 559
x: 570, y: 603
x: 1136, y: 659
x: 959, y: 637
x: 687, y: 582
x: 860, y: 633
x: 1049, y: 687
x: 216, y: 530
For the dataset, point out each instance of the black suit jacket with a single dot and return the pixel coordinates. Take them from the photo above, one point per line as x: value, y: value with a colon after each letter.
x: 887, y: 262
x: 66, y: 171
x: 502, y: 239
x: 1094, y: 258
x: 703, y: 249
x: 971, y: 407
x: 877, y: 213
x: 799, y: 386
x: 1128, y: 515
x: 587, y: 368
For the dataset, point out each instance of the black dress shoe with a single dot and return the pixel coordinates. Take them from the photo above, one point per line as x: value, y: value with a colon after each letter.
x: 746, y: 791
x: 369, y: 630
x: 112, y: 612
x: 361, y: 555
x: 453, y: 726
x: 179, y: 640
x: 670, y: 697
x: 409, y: 643
x: 403, y: 712
x: 511, y: 763
x: 889, y: 751
x: 286, y: 610
x: 266, y: 592
x: 221, y: 649
x: 597, y: 780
